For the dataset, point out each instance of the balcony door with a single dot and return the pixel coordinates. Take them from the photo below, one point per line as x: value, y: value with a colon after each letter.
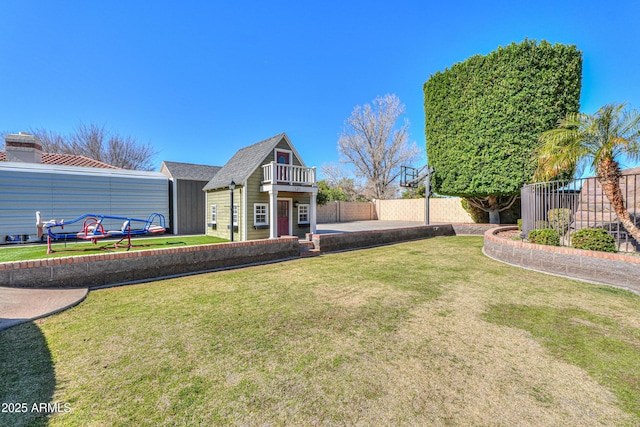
x: 283, y: 172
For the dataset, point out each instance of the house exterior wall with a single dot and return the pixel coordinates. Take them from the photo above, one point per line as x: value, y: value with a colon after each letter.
x: 254, y: 195
x: 222, y: 200
x: 65, y: 192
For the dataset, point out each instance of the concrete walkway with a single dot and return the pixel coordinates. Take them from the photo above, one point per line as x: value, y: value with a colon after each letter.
x: 19, y: 305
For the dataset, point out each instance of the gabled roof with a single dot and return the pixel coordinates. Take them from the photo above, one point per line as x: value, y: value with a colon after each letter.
x: 247, y: 160
x: 67, y: 160
x: 189, y: 171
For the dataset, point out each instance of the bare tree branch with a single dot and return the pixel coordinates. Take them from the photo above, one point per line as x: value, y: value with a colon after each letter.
x: 97, y: 143
x: 373, y: 144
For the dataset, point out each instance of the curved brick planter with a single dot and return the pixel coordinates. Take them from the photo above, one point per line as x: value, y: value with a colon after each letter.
x: 593, y: 266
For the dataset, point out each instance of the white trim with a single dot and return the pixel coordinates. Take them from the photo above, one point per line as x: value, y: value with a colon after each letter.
x: 266, y: 213
x: 313, y: 210
x: 236, y: 214
x: 308, y: 206
x: 273, y: 221
x: 174, y: 202
x: 288, y: 188
x: 282, y: 150
x: 80, y: 170
x: 245, y: 202
x: 211, y: 220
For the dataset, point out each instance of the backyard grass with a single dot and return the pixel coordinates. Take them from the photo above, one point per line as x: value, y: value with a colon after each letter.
x: 421, y: 333
x: 78, y: 247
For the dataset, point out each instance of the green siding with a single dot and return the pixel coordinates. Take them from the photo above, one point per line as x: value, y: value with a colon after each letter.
x: 222, y: 200
x: 254, y: 195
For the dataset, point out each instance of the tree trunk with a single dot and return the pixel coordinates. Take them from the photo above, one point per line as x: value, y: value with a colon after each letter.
x: 494, y: 210
x: 609, y: 177
x: 494, y: 216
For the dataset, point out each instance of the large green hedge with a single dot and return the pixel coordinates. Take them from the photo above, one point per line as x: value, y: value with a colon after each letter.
x: 484, y: 115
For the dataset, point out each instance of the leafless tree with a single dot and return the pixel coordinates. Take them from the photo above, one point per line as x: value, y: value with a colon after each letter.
x: 52, y: 142
x: 98, y: 143
x: 377, y: 148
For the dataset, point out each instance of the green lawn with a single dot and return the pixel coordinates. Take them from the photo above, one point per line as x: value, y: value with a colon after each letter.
x: 421, y: 333
x: 78, y: 247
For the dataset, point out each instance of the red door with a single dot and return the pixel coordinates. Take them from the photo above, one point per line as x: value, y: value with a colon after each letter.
x: 283, y: 218
x: 282, y: 173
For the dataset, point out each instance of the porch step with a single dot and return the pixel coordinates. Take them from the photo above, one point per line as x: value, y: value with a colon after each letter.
x: 312, y: 252
x: 308, y: 249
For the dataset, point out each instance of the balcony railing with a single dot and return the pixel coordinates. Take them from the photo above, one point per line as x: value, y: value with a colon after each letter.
x: 277, y: 173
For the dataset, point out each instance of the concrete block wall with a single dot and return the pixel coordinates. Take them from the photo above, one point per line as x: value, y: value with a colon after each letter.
x: 601, y: 267
x: 447, y: 210
x: 121, y: 267
x: 341, y: 211
x: 440, y: 210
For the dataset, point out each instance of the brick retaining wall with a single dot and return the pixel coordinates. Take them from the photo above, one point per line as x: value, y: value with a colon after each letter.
x: 343, y: 241
x: 472, y: 229
x: 594, y: 266
x: 120, y: 267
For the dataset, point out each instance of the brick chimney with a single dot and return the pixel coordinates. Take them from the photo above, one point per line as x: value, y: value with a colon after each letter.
x: 23, y: 147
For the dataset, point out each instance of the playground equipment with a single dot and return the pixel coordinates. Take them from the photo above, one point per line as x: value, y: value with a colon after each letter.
x: 93, y: 228
x: 411, y: 177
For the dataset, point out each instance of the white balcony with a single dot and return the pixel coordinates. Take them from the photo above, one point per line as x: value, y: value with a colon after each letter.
x: 280, y: 174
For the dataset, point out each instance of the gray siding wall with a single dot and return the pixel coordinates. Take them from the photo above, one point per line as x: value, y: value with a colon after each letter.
x: 191, y: 207
x: 67, y: 193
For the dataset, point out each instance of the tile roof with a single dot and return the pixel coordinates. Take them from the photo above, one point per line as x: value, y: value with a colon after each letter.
x: 244, y: 162
x: 189, y: 171
x: 66, y: 160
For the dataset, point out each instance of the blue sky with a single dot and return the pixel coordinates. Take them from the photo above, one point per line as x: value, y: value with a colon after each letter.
x: 201, y: 79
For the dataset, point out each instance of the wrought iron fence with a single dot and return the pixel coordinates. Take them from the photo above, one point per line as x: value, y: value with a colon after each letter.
x: 573, y: 205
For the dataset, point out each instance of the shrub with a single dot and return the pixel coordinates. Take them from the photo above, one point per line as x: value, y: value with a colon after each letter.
x: 519, y: 224
x: 546, y: 236
x: 540, y: 224
x: 594, y: 239
x: 560, y: 219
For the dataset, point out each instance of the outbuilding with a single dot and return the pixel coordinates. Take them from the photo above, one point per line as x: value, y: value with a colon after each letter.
x: 186, y: 198
x: 274, y: 193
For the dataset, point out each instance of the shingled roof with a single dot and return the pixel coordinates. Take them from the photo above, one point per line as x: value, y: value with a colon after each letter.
x: 245, y: 161
x: 189, y: 171
x: 67, y: 160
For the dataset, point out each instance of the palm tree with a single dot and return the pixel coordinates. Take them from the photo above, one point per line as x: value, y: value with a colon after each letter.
x: 598, y: 140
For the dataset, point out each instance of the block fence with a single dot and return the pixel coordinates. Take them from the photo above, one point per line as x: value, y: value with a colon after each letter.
x: 345, y: 211
x: 441, y: 210
x: 601, y: 267
x: 122, y: 267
